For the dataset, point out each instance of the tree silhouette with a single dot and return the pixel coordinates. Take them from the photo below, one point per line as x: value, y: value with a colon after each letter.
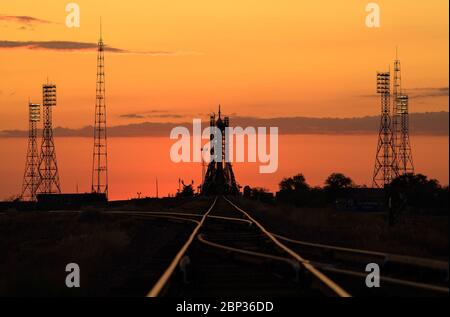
x: 338, y: 181
x: 418, y: 192
x: 336, y: 185
x: 295, y: 183
x: 294, y: 189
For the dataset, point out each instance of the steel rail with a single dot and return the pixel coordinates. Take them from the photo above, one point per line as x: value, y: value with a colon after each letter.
x: 316, y: 273
x: 323, y: 266
x: 411, y: 260
x: 230, y: 219
x: 167, y: 214
x: 387, y: 279
x: 326, y: 267
x: 387, y: 257
x: 163, y: 213
x: 156, y: 213
x: 202, y: 239
x: 167, y: 217
x: 162, y: 281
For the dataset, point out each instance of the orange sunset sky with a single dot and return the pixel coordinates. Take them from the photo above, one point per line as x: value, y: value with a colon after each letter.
x: 260, y: 58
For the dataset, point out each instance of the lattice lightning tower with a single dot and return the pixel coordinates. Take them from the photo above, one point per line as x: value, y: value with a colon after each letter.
x: 384, y: 169
x: 403, y: 162
x: 48, y: 167
x: 100, y: 156
x: 31, y: 176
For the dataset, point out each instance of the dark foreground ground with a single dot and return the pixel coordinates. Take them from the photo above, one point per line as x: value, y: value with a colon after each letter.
x: 113, y: 251
x: 415, y: 235
x: 116, y: 251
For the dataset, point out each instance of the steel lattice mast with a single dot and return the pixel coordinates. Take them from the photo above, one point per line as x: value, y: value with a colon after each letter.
x: 396, y: 118
x: 48, y: 167
x: 100, y: 157
x: 403, y: 150
x: 31, y: 175
x: 403, y: 162
x: 384, y: 160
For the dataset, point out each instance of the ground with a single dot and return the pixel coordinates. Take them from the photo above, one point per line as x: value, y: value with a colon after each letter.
x: 123, y: 256
x: 111, y: 250
x: 417, y: 235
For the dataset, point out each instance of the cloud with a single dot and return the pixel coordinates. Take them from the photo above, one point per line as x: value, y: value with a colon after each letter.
x: 168, y: 115
x: 132, y: 116
x: 24, y: 19
x: 160, y: 114
x: 55, y: 45
x: 427, y: 92
x: 83, y: 46
x: 428, y: 123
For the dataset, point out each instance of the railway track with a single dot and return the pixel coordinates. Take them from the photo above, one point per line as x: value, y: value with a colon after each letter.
x: 400, y: 275
x: 228, y: 253
x: 231, y: 254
